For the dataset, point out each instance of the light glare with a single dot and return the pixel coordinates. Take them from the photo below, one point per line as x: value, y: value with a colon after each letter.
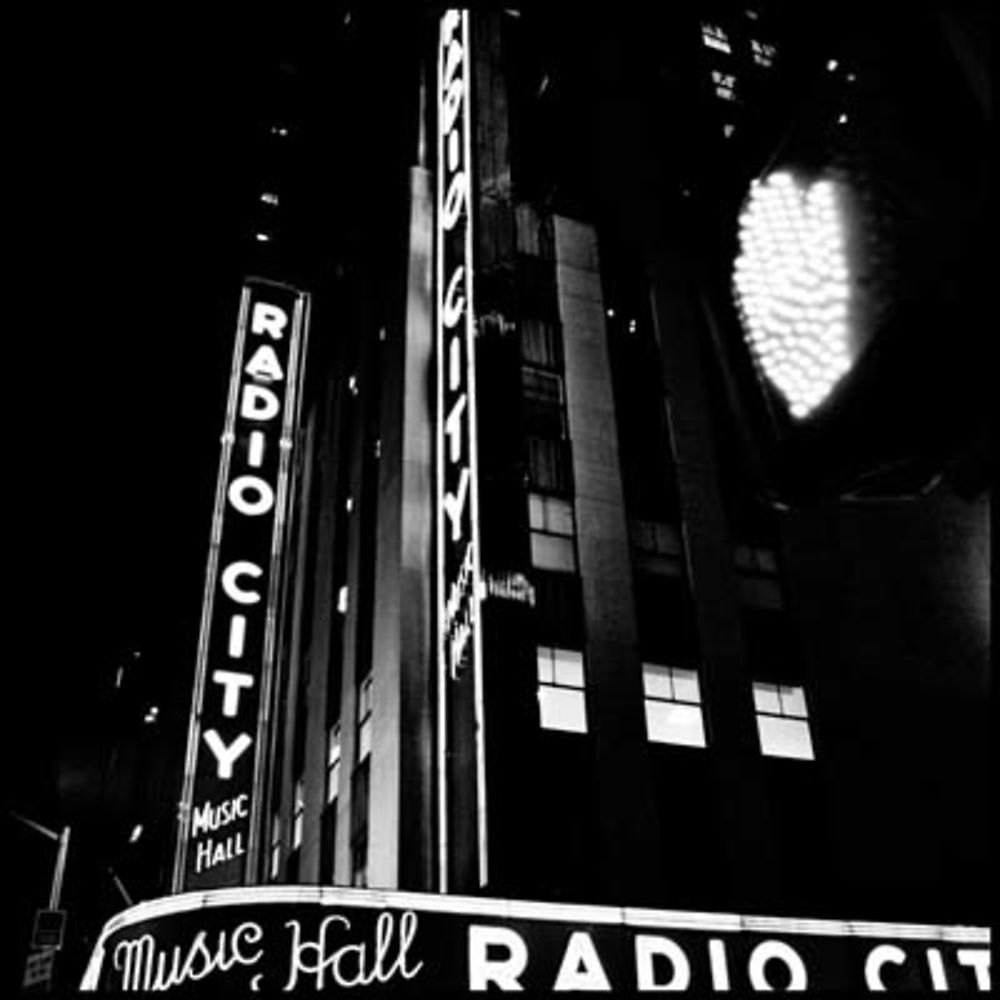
x: 791, y: 284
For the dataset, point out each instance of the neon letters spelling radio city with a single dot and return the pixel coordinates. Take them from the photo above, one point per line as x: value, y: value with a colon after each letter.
x: 220, y: 800
x: 459, y: 580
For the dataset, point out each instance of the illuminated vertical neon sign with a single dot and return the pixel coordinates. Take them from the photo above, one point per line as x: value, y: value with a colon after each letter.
x: 217, y: 842
x: 458, y: 590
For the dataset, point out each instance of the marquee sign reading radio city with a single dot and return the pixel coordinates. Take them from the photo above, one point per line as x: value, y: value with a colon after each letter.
x: 458, y: 572
x: 311, y: 939
x: 216, y: 844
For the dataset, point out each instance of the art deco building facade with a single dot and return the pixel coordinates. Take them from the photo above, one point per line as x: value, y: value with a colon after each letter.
x: 568, y: 605
x: 692, y: 691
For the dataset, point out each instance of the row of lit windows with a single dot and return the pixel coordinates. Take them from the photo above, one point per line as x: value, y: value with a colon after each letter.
x: 714, y: 37
x: 673, y: 705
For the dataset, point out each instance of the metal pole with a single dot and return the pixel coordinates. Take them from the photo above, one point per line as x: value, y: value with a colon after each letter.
x: 57, y: 875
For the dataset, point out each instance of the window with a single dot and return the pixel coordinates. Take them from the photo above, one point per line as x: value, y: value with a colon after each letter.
x: 543, y: 403
x: 540, y: 342
x: 657, y: 547
x: 298, y: 813
x: 758, y: 576
x: 549, y: 465
x: 333, y: 763
x: 552, y: 533
x: 782, y: 720
x: 561, y: 694
x: 725, y: 84
x: 714, y: 37
x: 360, y: 788
x: 763, y: 52
x: 365, y: 718
x: 728, y: 129
x: 673, y: 705
x: 275, y: 846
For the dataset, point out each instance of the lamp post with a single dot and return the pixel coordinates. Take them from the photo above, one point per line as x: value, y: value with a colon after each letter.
x: 38, y: 970
x: 62, y: 839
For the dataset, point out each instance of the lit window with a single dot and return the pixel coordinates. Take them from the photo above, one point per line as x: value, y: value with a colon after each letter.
x: 365, y: 718
x: 782, y: 720
x: 714, y: 37
x: 673, y: 705
x: 552, y: 533
x: 333, y: 763
x: 561, y: 693
x: 298, y: 813
x: 275, y: 845
x: 728, y: 129
x: 725, y: 84
x: 269, y: 198
x: 763, y: 52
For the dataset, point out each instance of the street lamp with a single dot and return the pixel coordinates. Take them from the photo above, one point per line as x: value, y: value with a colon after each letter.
x: 62, y: 839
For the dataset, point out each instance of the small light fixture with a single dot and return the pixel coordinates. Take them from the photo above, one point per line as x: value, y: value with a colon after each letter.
x: 262, y: 237
x: 136, y: 833
x: 832, y: 65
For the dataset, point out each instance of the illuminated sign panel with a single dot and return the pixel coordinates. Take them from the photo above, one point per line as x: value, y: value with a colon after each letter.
x: 458, y: 572
x: 311, y: 939
x: 219, y: 805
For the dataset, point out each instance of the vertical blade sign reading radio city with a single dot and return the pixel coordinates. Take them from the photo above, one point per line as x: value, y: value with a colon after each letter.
x: 458, y: 574
x: 217, y: 840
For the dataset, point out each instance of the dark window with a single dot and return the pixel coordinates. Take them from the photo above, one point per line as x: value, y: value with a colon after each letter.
x: 541, y: 342
x: 542, y: 394
x: 550, y: 467
x: 328, y: 844
x: 359, y: 825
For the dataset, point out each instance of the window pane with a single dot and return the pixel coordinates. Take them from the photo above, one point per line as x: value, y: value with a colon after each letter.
x: 563, y: 709
x: 670, y: 722
x: 558, y: 516
x: 546, y: 670
x: 569, y: 667
x: 365, y: 738
x: 656, y: 681
x: 760, y: 592
x: 541, y: 386
x: 536, y: 511
x: 668, y: 539
x: 781, y: 737
x: 686, y: 686
x: 552, y: 552
x: 765, y: 697
x: 793, y: 701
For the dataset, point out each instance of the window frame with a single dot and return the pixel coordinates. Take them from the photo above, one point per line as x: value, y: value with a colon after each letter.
x: 556, y: 685
x: 673, y: 699
x: 801, y: 717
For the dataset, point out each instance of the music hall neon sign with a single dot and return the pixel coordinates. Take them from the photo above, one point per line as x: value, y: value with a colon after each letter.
x: 307, y: 939
x: 220, y: 802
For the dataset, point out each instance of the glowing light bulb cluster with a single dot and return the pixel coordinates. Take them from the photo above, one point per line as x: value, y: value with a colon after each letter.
x: 791, y: 283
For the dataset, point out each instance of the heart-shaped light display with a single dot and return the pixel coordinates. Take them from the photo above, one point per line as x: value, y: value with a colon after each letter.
x: 791, y: 283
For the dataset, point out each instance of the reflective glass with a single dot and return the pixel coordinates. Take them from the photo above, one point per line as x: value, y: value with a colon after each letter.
x: 765, y: 697
x: 781, y: 737
x: 563, y: 709
x: 686, y: 684
x: 672, y: 722
x: 568, y: 667
x: 656, y: 681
